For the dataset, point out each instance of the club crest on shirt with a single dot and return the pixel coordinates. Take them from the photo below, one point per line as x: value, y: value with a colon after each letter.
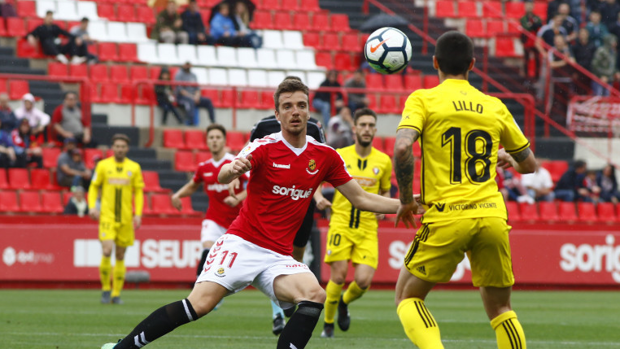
x: 220, y: 272
x: 129, y: 173
x: 375, y: 170
x: 311, y: 167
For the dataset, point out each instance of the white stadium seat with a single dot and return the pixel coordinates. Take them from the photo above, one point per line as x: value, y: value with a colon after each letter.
x: 187, y: 53
x: 272, y: 39
x: 66, y: 10
x: 257, y: 78
x: 117, y: 31
x: 87, y: 9
x: 305, y: 60
x: 247, y: 57
x: 147, y: 52
x: 237, y: 77
x: 218, y: 76
x: 98, y: 31
x: 286, y: 59
x: 315, y: 79
x: 274, y: 78
x: 202, y: 76
x: 298, y: 73
x: 206, y: 55
x: 293, y: 40
x: 136, y: 32
x: 167, y: 54
x: 226, y: 56
x: 266, y: 59
x: 45, y: 5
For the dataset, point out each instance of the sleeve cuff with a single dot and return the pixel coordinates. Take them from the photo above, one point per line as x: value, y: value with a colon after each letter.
x: 512, y: 151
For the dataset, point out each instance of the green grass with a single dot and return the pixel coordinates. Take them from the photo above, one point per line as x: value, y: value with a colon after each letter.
x: 74, y: 319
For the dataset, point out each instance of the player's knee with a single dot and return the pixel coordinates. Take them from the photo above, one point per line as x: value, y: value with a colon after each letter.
x: 337, y: 278
x: 363, y: 283
x: 316, y: 294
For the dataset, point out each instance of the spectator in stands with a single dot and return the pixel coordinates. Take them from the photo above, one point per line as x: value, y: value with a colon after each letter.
x: 583, y: 51
x: 77, y: 205
x: 7, y: 151
x: 7, y: 117
x: 561, y: 78
x: 27, y: 150
x: 588, y: 190
x: 607, y: 181
x: 7, y: 9
x: 547, y: 33
x: 596, y: 29
x: 553, y: 8
x: 340, y: 129
x: 165, y: 98
x: 71, y: 170
x: 604, y: 65
x: 169, y: 26
x: 224, y: 31
x: 38, y: 120
x: 47, y: 35
x: 615, y: 27
x: 80, y: 31
x: 609, y: 10
x: 539, y: 184
x: 194, y: 26
x: 567, y: 186
x: 189, y: 96
x: 322, y: 101
x: 242, y: 25
x: 68, y: 121
x: 569, y: 23
x: 357, y: 99
x: 532, y: 24
x: 514, y: 187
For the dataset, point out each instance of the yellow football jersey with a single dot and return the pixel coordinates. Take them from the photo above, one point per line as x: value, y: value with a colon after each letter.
x: 461, y: 129
x: 372, y: 173
x: 118, y: 182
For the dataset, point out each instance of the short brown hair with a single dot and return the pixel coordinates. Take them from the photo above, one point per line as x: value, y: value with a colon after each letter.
x: 122, y: 137
x: 289, y: 86
x: 363, y: 112
x: 216, y: 127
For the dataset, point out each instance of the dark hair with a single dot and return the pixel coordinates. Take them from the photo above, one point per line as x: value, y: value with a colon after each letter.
x: 363, y: 112
x: 580, y: 164
x: 71, y: 93
x: 595, y: 11
x: 216, y: 127
x: 359, y: 71
x: 289, y: 86
x: 49, y: 13
x: 85, y: 19
x: 292, y: 77
x: 122, y: 137
x: 454, y: 52
x: 164, y: 71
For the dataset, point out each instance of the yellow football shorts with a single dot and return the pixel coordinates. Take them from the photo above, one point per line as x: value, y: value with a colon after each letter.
x: 121, y: 233
x: 360, y: 247
x: 440, y: 246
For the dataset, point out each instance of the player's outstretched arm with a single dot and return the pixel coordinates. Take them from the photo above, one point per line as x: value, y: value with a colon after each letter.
x: 365, y: 201
x: 523, y: 161
x: 188, y: 189
x: 234, y: 169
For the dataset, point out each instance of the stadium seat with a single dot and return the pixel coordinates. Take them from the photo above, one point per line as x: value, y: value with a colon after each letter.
x: 302, y: 20
x: 310, y: 5
x: 15, y: 27
x: 195, y: 139
x: 267, y: 100
x: 549, y: 211
x: 33, y: 23
x: 136, y: 32
x: 26, y: 9
x: 139, y: 72
x: 51, y: 202
x: 3, y: 31
x: 89, y: 156
x: 285, y: 59
x: 350, y: 42
x: 106, y: 11
x: 188, y: 53
x: 235, y: 140
x: 475, y: 28
x: 213, y: 95
x: 78, y: 70
x: 468, y: 9
x: 394, y: 82
x: 184, y: 161
x: 567, y: 211
x: 218, y: 76
x: 18, y: 178
x: 17, y: 89
x: 66, y: 10
x: 340, y: 23
x: 118, y: 73
x: 8, y: 201
x: 342, y: 62
x: 529, y: 212
x: 292, y: 40
x: 504, y: 47
x: 128, y: 93
x: 377, y: 143
x: 269, y: 4
x: 289, y: 5
x: 331, y: 41
x: 540, y: 9
x: 249, y: 100
x: 515, y: 9
x: 445, y: 9
x: 109, y: 93
x: 45, y: 5
x: 87, y: 9
x: 144, y: 14
x: 40, y: 179
x: 226, y: 56
x: 187, y: 208
x: 606, y: 212
x: 513, y: 211
x: 160, y: 204
x: 202, y: 156
x: 30, y: 201
x: 151, y: 182
x: 320, y: 21
x: 167, y: 54
x: 375, y: 81
x: 126, y: 13
x: 146, y: 95
x: 108, y: 51
x: 95, y: 95
x: 494, y: 27
x: 417, y: 151
x: 99, y: 73
x: 557, y: 168
x: 389, y: 105
x: 257, y: 78
x: 586, y: 211
x: 306, y: 59
x: 431, y: 81
x: 324, y: 59
x: 228, y: 98
x: 206, y: 15
x: 266, y: 59
x: 282, y: 21
x: 173, y: 139
x: 57, y: 69
x: 492, y: 9
x: 273, y: 39
x: 4, y: 183
x: 413, y: 82
x: 147, y: 52
x: 50, y: 157
x: 274, y: 78
x: 262, y: 20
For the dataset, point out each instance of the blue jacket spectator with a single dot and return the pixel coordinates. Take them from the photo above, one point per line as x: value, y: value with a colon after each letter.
x: 222, y: 26
x: 7, y: 117
x: 568, y: 185
x: 606, y: 180
x: 7, y: 151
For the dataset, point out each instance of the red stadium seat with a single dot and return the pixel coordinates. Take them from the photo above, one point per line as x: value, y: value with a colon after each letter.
x: 174, y: 139
x: 413, y: 82
x: 474, y: 28
x: 262, y: 20
x: 127, y: 53
x: 90, y: 155
x: 529, y: 212
x: 606, y: 212
x: 78, y: 70
x: 26, y: 9
x: 161, y: 205
x: 15, y: 27
x: 17, y: 89
x: 118, y: 73
x: 431, y: 81
x: 282, y: 21
x: 492, y: 9
x: 269, y: 4
x: 138, y: 72
x: 33, y: 23
x: 57, y: 69
x: 389, y: 105
x: 504, y: 47
x: 417, y: 151
x: 19, y: 179
x: 372, y: 101
x: 235, y: 140
x: 109, y: 93
x: 549, y: 211
x: 128, y: 93
x: 495, y: 26
x: 389, y: 145
x: 4, y: 183
x: 445, y: 9
x: 513, y: 211
x: 375, y: 81
x: 377, y: 143
x: 302, y: 20
x: 312, y: 39
x: 394, y: 82
x: 126, y: 13
x: 8, y: 201
x: 95, y: 96
x: 30, y: 201
x: 3, y: 31
x: 205, y: 14
x: 514, y: 28
x: 151, y: 182
x: 144, y: 14
x: 50, y: 157
x: 567, y: 211
x: 514, y: 9
x: 557, y: 168
x: 468, y: 9
x: 99, y: 73
x: 540, y: 9
x: 343, y: 62
x: 195, y: 139
x: 106, y: 11
x: 52, y: 203
x: 249, y: 100
x: 320, y: 21
x: 187, y: 208
x: 184, y: 161
x: 202, y: 156
x: 227, y: 99
x: 41, y: 180
x: 267, y: 100
x: 290, y: 5
x: 587, y: 212
x: 107, y: 51
x: 213, y: 95
x: 331, y: 41
x: 340, y: 23
x: 351, y: 42
x: 146, y: 95
x: 310, y: 5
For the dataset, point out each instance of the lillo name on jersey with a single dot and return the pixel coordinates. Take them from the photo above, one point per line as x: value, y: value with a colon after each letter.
x: 467, y: 106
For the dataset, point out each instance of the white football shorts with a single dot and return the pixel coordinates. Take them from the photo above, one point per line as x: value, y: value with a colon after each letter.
x: 236, y: 263
x: 211, y: 231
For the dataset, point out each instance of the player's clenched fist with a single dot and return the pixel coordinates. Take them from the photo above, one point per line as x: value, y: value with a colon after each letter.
x: 241, y: 165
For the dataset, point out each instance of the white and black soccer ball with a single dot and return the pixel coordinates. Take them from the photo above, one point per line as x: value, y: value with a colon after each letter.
x: 388, y: 50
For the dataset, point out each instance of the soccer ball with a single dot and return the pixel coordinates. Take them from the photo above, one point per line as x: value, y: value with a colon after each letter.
x: 388, y: 50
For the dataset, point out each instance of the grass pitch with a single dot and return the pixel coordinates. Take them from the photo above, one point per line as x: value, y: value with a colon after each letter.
x: 70, y: 319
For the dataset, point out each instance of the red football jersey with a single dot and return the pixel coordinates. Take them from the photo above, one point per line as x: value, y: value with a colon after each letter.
x: 218, y: 211
x: 282, y: 182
